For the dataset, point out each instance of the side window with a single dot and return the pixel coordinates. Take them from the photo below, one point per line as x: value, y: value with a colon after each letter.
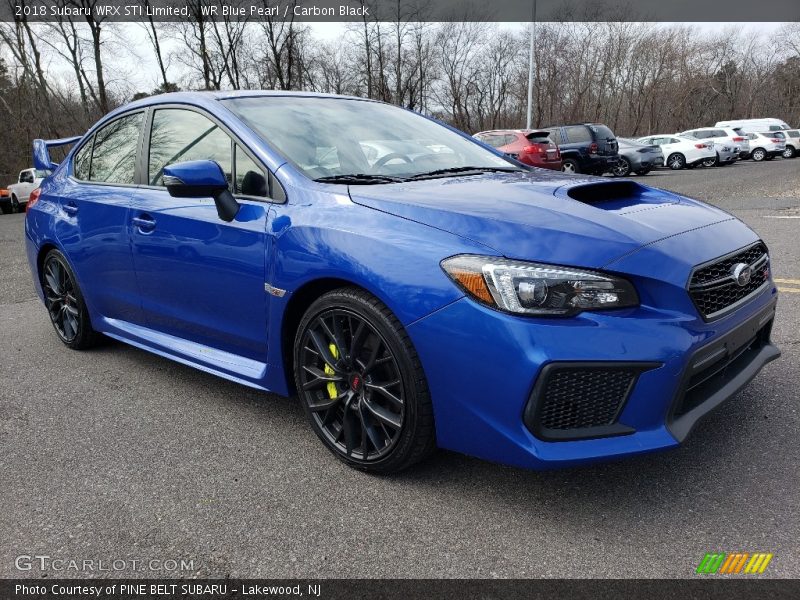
x: 495, y: 141
x: 82, y: 160
x: 250, y: 178
x: 179, y: 135
x: 555, y: 136
x: 578, y: 134
x: 673, y: 141
x: 114, y: 150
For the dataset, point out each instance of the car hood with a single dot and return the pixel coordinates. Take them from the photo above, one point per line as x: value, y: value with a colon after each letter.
x: 555, y: 218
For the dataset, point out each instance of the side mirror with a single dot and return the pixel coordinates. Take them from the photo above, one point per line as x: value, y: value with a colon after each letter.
x: 201, y: 179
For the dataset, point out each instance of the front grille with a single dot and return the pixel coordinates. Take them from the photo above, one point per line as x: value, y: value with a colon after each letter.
x: 581, y: 400
x: 713, y: 288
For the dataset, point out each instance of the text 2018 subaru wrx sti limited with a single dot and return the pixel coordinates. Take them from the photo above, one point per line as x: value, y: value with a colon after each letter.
x: 412, y: 286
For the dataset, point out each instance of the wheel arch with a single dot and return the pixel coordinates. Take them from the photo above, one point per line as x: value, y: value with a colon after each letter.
x: 299, y: 302
x: 44, y: 249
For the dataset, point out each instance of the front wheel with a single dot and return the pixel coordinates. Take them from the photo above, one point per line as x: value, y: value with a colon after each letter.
x: 361, y: 383
x: 65, y: 304
x: 758, y: 154
x: 570, y: 166
x: 676, y: 161
x: 622, y: 168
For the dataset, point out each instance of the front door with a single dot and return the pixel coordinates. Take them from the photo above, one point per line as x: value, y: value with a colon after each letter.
x: 201, y: 279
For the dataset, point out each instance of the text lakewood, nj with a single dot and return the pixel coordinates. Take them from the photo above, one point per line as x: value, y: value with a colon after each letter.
x: 212, y: 10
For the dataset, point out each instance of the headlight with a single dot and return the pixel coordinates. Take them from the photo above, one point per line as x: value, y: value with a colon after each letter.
x: 538, y: 289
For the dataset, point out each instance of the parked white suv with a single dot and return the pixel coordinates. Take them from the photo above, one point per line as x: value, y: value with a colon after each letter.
x: 755, y: 125
x: 680, y: 151
x: 727, y: 135
x: 765, y: 146
x: 28, y: 180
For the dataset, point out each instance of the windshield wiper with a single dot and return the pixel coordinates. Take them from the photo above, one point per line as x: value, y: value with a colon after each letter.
x: 359, y: 179
x: 463, y: 171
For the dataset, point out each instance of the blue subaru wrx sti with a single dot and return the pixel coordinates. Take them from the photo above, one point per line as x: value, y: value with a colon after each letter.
x: 414, y: 288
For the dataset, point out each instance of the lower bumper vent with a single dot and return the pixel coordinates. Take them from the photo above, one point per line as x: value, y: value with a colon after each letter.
x: 581, y: 400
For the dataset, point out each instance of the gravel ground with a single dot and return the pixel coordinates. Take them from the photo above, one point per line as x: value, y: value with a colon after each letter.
x: 117, y: 454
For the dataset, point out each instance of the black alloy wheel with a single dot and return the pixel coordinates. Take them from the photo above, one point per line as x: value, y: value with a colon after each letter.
x: 65, y: 304
x: 361, y: 383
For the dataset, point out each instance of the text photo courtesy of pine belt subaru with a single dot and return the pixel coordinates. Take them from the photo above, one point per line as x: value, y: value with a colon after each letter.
x: 435, y: 295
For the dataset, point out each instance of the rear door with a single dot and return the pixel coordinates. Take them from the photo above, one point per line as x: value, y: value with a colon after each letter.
x: 93, y: 223
x: 201, y: 279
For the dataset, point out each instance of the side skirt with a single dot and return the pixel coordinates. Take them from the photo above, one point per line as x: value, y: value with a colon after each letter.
x: 223, y: 364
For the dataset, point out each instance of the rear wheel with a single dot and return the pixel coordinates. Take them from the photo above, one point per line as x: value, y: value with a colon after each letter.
x: 676, y: 161
x: 622, y: 168
x: 711, y: 162
x: 570, y: 165
x: 65, y: 304
x: 361, y: 383
x: 14, y: 204
x: 789, y: 152
x: 758, y: 154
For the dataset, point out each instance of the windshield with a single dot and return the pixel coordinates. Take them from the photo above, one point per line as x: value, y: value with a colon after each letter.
x: 328, y: 137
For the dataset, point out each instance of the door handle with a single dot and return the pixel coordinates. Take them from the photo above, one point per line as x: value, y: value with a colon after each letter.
x: 70, y: 208
x: 145, y: 223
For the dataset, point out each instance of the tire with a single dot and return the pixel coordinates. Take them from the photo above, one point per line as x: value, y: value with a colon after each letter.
x: 622, y: 168
x: 5, y: 208
x: 711, y: 162
x: 570, y: 165
x: 361, y: 383
x: 789, y: 152
x: 676, y: 161
x: 14, y: 204
x: 65, y: 304
x: 758, y: 154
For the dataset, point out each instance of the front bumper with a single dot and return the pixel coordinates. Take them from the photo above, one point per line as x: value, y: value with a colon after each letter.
x: 483, y: 367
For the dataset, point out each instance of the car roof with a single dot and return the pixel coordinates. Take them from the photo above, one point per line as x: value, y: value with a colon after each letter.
x: 208, y: 99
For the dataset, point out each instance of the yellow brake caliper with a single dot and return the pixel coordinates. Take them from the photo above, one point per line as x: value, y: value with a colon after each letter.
x: 332, y: 391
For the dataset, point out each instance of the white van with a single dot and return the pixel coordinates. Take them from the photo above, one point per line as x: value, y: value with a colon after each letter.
x: 755, y: 125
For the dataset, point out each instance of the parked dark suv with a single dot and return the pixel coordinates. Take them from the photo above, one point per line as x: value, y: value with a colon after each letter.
x: 585, y: 147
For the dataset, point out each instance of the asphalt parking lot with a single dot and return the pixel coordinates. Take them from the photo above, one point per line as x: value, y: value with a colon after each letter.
x: 117, y: 454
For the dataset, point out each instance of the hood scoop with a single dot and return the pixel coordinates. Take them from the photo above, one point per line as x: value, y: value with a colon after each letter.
x: 622, y: 196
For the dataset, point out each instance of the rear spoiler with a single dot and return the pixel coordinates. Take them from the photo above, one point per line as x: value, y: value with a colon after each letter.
x: 41, y: 151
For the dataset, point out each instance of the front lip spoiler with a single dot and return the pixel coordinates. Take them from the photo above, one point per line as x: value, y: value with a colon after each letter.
x: 681, y: 426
